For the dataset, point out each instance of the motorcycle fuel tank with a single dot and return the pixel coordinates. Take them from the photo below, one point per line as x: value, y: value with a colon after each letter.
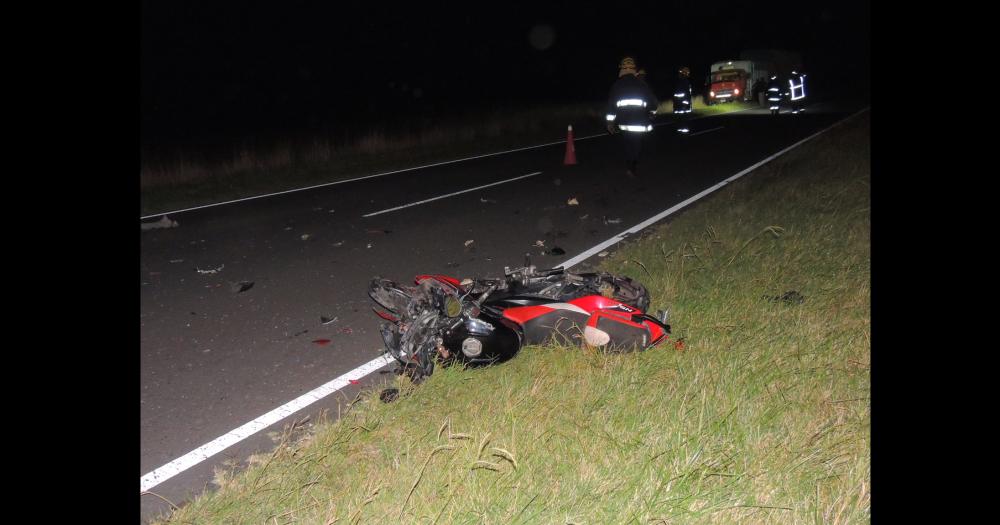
x: 483, y: 340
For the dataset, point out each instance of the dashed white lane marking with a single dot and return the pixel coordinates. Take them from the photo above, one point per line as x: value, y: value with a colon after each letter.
x: 232, y: 437
x: 174, y: 212
x: 706, y: 131
x: 439, y: 197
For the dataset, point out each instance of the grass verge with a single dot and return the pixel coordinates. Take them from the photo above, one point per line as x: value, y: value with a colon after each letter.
x: 757, y: 411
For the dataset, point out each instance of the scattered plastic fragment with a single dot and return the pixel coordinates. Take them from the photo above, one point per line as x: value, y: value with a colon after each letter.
x: 584, y: 216
x: 354, y: 381
x: 164, y: 222
x: 573, y: 202
x: 305, y: 237
x: 346, y: 330
x: 557, y: 251
x: 300, y: 333
x: 540, y: 244
x: 683, y: 130
x: 470, y: 241
x: 338, y: 244
x: 485, y: 200
x: 176, y: 261
x: 288, y: 228
x: 217, y: 270
x: 369, y: 245
x: 321, y: 342
x: 326, y: 320
x: 612, y: 221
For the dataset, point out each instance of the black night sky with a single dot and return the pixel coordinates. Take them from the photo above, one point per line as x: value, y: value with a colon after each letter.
x: 224, y: 70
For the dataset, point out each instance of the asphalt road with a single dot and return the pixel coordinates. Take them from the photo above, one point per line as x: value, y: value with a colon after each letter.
x: 213, y: 358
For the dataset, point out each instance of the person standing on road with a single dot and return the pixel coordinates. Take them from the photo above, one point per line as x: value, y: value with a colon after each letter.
x: 682, y: 91
x: 774, y: 94
x: 797, y: 91
x: 631, y: 103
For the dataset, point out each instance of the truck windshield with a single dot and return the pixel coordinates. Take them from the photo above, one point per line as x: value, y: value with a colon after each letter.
x: 729, y: 76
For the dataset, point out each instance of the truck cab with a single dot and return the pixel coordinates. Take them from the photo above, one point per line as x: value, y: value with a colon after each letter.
x: 731, y: 80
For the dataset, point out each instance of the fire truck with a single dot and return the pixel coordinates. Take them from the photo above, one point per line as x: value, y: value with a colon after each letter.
x: 731, y: 80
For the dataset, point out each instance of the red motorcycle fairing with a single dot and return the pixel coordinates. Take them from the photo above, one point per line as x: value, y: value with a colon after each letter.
x: 602, y: 321
x: 441, y: 278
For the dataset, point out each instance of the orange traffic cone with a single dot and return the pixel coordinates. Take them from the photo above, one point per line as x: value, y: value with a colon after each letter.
x: 570, y: 158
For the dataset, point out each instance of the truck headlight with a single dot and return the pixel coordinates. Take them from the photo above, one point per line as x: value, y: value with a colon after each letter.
x: 711, y: 93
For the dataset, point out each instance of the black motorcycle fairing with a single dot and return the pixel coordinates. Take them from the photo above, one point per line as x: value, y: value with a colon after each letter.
x: 498, y: 340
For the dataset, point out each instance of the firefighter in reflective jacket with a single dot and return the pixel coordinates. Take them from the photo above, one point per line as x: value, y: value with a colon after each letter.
x: 682, y: 91
x: 797, y: 91
x: 774, y: 94
x: 631, y: 105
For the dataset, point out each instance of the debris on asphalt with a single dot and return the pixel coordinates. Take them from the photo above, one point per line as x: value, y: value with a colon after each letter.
x: 683, y: 130
x: 369, y: 245
x: 346, y: 330
x: 326, y: 320
x: 557, y: 251
x: 452, y: 265
x: 584, y: 216
x: 573, y: 202
x: 332, y: 210
x: 164, y: 222
x: 172, y: 261
x: 468, y: 242
x: 305, y: 236
x: 788, y: 297
x: 241, y: 286
x: 389, y: 395
x: 386, y: 232
x: 300, y: 333
x: 321, y: 342
x: 338, y: 244
x: 217, y: 270
x: 288, y: 228
x: 485, y: 200
x: 612, y: 221
x: 539, y: 244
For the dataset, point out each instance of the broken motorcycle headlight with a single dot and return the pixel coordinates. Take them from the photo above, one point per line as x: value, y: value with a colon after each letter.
x: 452, y: 306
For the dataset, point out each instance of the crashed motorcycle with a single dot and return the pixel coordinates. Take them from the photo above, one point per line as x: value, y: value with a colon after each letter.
x: 482, y: 321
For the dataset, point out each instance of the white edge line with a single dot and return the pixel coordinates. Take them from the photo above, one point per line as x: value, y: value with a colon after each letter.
x: 648, y: 222
x: 174, y: 212
x: 232, y: 437
x: 425, y: 201
x: 704, y: 131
